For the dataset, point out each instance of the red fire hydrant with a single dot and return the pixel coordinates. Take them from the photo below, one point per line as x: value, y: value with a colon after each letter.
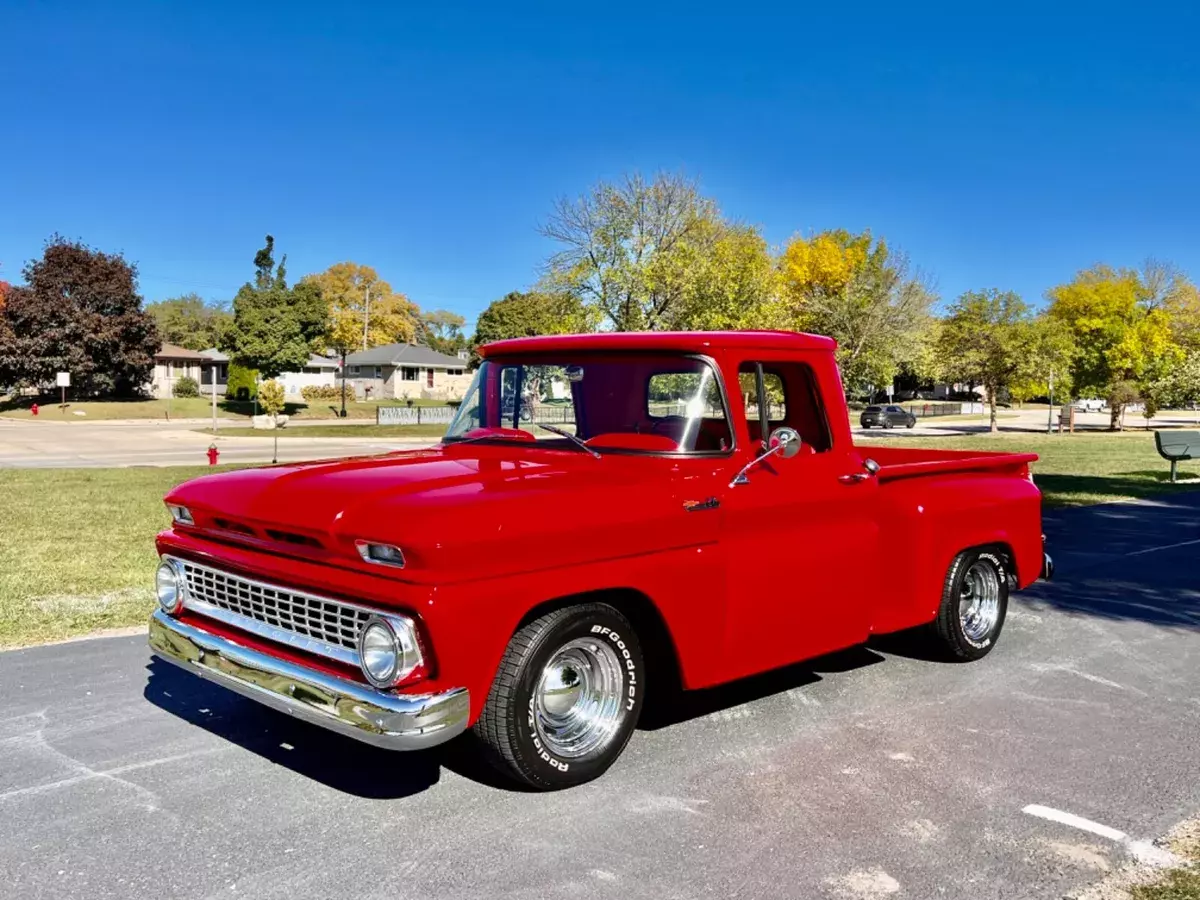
x: 213, y: 454
x: 34, y: 409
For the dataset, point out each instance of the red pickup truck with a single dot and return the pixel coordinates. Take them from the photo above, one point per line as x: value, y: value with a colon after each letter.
x: 606, y: 513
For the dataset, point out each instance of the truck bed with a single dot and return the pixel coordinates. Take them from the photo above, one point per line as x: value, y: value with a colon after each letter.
x: 912, y: 462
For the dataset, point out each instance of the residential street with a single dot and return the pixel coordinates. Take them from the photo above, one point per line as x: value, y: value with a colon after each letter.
x: 863, y: 775
x: 72, y: 445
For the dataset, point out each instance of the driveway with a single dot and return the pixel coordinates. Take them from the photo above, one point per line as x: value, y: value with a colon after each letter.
x: 156, y: 443
x: 866, y: 774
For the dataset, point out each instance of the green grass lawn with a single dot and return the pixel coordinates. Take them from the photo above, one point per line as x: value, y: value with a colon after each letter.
x: 77, y: 548
x: 342, y: 431
x: 1078, y: 469
x: 186, y: 408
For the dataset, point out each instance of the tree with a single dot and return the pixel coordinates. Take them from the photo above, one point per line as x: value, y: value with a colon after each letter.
x: 189, y: 321
x: 363, y: 309
x: 519, y: 314
x: 864, y: 295
x: 271, y: 398
x: 78, y: 312
x: 1118, y: 335
x: 1180, y: 385
x: 734, y: 284
x: 626, y: 248
x: 275, y: 327
x: 442, y: 330
x: 988, y: 338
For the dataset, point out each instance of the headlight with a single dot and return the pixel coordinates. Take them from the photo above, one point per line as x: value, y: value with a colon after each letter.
x: 168, y: 584
x: 388, y: 650
x: 182, y: 515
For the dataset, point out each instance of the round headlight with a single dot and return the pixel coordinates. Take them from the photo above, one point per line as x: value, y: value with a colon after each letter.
x: 169, y: 587
x: 387, y: 650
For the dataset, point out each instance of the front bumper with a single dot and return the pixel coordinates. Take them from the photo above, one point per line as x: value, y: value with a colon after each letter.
x: 392, y: 721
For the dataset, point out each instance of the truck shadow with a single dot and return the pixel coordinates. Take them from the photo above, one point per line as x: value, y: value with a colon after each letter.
x: 672, y: 705
x: 330, y: 759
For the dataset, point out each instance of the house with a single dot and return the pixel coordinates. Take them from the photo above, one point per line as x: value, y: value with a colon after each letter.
x: 403, y: 371
x: 172, y: 363
x: 319, y: 371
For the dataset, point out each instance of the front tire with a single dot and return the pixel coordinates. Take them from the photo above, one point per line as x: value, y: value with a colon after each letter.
x: 566, y: 697
x: 974, y: 605
x: 887, y: 423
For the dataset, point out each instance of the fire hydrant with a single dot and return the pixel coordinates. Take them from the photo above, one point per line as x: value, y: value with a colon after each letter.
x: 34, y: 409
x: 213, y: 454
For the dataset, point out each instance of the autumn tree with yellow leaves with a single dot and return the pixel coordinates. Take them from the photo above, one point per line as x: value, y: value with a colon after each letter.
x: 364, y: 311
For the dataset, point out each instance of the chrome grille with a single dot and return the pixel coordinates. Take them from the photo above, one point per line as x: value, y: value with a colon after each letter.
x: 315, y: 624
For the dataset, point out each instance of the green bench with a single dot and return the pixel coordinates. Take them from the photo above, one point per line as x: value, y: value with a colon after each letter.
x: 1177, y: 445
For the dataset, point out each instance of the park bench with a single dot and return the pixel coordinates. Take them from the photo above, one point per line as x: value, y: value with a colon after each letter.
x: 1177, y: 445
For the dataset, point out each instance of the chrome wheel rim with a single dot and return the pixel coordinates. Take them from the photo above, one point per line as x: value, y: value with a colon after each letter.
x: 577, y: 701
x: 979, y: 600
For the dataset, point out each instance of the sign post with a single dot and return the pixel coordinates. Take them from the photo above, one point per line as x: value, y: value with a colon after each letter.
x: 64, y: 382
x: 214, y: 397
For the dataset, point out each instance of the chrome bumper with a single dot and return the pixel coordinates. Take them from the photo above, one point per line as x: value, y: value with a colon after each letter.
x: 1047, y: 567
x: 392, y: 721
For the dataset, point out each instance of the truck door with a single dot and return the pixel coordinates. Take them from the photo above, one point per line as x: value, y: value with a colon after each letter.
x: 799, y: 539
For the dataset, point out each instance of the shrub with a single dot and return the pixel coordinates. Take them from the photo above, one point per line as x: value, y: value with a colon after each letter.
x: 314, y: 392
x: 242, y: 383
x: 186, y: 387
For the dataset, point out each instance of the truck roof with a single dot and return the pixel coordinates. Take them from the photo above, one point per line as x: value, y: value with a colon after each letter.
x: 693, y: 341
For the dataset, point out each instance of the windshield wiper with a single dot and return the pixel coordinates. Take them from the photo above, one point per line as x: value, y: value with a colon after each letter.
x: 573, y: 438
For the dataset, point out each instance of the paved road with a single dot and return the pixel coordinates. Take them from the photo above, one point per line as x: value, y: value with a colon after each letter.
x: 866, y: 774
x: 154, y: 443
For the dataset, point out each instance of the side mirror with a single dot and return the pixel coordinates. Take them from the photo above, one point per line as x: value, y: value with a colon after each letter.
x: 788, y: 439
x: 783, y: 441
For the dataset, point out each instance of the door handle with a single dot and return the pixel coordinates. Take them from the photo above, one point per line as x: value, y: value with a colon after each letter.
x: 854, y: 478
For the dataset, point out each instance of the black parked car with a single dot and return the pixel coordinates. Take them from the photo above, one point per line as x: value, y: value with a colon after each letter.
x: 886, y: 417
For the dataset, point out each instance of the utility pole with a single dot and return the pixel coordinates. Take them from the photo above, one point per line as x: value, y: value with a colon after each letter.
x: 1050, y: 411
x: 366, y: 312
x: 343, y: 383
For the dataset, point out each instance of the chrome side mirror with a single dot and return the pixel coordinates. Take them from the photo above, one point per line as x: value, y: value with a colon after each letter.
x: 788, y: 439
x: 783, y: 441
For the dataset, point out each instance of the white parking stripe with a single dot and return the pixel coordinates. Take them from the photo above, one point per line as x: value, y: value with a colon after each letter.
x: 1066, y: 818
x: 1164, y: 547
x: 1143, y: 851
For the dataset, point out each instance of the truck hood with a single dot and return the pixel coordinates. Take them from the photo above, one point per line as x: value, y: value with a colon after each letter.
x: 458, y: 513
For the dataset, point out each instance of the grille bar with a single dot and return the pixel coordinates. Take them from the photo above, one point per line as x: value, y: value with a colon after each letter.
x: 306, y: 621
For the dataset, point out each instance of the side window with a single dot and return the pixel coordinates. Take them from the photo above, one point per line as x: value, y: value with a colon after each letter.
x: 792, y: 399
x: 684, y: 394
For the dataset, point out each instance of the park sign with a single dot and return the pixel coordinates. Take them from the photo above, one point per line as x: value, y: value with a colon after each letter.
x: 64, y: 380
x: 414, y: 415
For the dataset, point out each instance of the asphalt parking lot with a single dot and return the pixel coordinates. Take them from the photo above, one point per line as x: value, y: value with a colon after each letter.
x: 868, y: 774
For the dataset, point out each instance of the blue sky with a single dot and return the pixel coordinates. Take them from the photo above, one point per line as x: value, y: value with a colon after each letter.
x: 1004, y: 147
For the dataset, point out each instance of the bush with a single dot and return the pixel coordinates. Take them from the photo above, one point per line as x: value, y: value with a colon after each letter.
x: 314, y: 392
x: 186, y: 387
x: 242, y: 383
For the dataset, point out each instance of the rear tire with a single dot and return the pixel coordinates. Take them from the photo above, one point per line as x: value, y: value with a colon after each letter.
x: 565, y: 699
x: 887, y: 423
x: 974, y: 605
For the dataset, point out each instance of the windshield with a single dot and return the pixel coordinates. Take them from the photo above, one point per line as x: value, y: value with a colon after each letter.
x: 643, y: 402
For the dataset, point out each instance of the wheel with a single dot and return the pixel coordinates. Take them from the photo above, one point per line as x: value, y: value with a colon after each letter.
x: 911, y: 423
x: 887, y: 423
x: 566, y: 697
x: 974, y: 605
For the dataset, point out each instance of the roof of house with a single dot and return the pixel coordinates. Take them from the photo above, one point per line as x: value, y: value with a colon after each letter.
x: 404, y: 354
x: 693, y: 341
x: 170, y: 351
x: 314, y: 362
